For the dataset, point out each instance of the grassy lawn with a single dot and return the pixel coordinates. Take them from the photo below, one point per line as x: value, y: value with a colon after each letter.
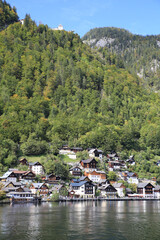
x: 64, y: 158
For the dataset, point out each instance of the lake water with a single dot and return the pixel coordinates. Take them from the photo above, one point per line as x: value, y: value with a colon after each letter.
x: 137, y: 220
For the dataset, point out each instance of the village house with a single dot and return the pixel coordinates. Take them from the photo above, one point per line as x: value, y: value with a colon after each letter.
x: 75, y: 171
x: 89, y: 164
x: 157, y: 191
x: 94, y: 152
x: 83, y: 189
x: 21, y: 194
x: 52, y: 179
x: 120, y: 189
x: 145, y: 190
x: 11, y: 186
x: 23, y: 161
x: 95, y: 175
x: 37, y: 168
x: 115, y: 165
x: 112, y: 157
x: 60, y: 189
x: 131, y: 160
x: 9, y: 176
x: 130, y: 177
x: 108, y: 191
x: 40, y: 189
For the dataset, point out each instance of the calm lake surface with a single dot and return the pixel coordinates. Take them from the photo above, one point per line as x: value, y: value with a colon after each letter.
x: 138, y: 220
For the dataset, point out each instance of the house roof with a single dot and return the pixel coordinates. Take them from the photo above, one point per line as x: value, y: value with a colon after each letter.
x: 17, y: 184
x: 88, y: 160
x: 78, y: 184
x: 6, y: 174
x: 35, y: 163
x: 131, y: 174
x: 143, y: 185
x: 117, y: 185
x: 104, y: 187
x: 95, y: 149
x: 37, y: 185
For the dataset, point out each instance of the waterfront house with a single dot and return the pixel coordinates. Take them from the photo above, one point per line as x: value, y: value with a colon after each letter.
x: 145, y: 190
x: 120, y: 189
x: 37, y: 168
x: 95, y: 175
x: 89, y: 164
x: 39, y: 189
x: 94, y: 152
x: 22, y: 194
x: 108, y: 191
x: 83, y: 189
x: 157, y: 191
x: 58, y: 189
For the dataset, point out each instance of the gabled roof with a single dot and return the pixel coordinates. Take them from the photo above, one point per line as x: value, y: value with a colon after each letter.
x: 7, y: 174
x: 104, y: 187
x: 16, y: 184
x: 95, y: 149
x: 88, y: 160
x: 35, y: 163
x: 37, y: 185
x: 143, y: 185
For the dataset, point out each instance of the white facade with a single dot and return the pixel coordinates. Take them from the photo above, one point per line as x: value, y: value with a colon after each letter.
x: 37, y: 169
x: 133, y: 180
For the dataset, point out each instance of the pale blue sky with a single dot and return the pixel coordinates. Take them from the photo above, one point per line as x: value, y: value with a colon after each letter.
x: 137, y: 16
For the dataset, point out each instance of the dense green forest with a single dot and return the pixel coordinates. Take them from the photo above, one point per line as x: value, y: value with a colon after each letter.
x: 139, y: 54
x: 56, y: 90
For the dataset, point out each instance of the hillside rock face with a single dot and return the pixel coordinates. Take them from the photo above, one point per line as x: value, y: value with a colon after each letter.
x: 140, y: 54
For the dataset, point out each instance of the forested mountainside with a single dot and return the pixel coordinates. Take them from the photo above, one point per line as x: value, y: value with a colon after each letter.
x: 55, y: 90
x: 138, y: 54
x: 8, y: 14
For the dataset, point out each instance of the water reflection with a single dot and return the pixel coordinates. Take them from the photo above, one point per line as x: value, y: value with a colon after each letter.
x: 81, y: 220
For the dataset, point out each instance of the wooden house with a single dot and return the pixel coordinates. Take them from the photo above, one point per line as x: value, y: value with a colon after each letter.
x: 76, y: 171
x: 145, y: 190
x: 94, y: 152
x: 108, y: 191
x: 23, y: 161
x: 52, y: 179
x: 89, y: 164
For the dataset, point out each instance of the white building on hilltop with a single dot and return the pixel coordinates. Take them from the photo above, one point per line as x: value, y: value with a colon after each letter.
x: 60, y: 27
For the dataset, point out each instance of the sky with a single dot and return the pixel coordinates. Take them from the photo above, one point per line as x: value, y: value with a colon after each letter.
x: 137, y: 16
